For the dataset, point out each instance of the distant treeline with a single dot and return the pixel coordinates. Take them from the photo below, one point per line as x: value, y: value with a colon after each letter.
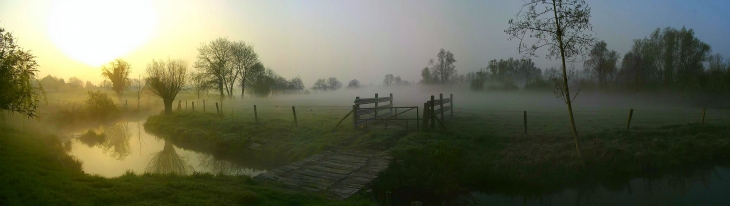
x: 667, y: 60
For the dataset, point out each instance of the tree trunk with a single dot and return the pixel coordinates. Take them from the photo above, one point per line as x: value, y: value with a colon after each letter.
x: 168, y: 105
x: 565, y: 81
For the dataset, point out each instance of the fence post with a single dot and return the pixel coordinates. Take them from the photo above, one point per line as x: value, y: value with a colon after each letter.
x: 441, y: 105
x: 391, y: 105
x: 193, y: 106
x: 293, y: 110
x: 425, y: 115
x: 255, y: 114
x: 703, y: 115
x: 525, y: 117
x: 217, y: 111
x: 432, y: 114
x: 418, y: 121
x: 451, y: 96
x: 203, y: 105
x: 355, y: 117
x: 376, y: 106
x: 631, y: 113
x: 178, y: 104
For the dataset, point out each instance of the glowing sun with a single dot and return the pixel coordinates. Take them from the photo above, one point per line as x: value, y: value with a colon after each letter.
x: 95, y: 32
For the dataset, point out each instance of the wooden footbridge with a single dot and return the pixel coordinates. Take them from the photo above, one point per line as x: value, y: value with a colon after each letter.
x: 337, y: 174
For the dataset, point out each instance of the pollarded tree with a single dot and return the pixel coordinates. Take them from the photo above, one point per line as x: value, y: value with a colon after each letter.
x: 117, y: 72
x: 166, y: 79
x: 561, y: 26
x: 17, y: 73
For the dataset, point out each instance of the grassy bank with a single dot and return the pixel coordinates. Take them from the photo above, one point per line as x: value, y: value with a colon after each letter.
x: 35, y: 170
x: 468, y: 156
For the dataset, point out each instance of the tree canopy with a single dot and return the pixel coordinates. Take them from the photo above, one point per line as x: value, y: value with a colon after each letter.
x: 18, y: 70
x: 117, y: 72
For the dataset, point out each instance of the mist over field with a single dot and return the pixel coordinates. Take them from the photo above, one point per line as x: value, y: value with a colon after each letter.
x: 227, y: 102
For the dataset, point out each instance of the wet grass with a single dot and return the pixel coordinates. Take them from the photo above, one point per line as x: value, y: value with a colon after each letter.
x: 35, y: 170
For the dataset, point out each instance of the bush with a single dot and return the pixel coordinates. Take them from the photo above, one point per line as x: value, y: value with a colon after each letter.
x: 99, y: 106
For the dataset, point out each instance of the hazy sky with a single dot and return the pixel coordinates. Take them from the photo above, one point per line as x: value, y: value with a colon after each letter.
x: 317, y: 39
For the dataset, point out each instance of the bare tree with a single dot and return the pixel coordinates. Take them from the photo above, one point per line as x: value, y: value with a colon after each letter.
x: 213, y: 60
x: 333, y: 83
x: 560, y: 25
x: 443, y: 67
x: 117, y: 72
x: 243, y: 58
x: 166, y: 79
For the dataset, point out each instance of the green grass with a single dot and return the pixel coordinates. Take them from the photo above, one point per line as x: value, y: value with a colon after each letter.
x: 467, y: 156
x: 35, y: 170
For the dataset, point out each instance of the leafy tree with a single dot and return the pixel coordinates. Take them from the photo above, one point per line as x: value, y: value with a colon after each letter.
x: 602, y: 63
x: 296, y: 83
x: 100, y: 106
x: 353, y: 84
x: 426, y: 77
x: 388, y: 80
x: 559, y: 25
x: 75, y: 83
x: 18, y: 70
x: 333, y: 83
x: 117, y: 72
x: 166, y: 79
x: 443, y: 67
x: 320, y: 84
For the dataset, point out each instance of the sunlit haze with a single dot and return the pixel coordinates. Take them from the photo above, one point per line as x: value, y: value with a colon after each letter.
x: 318, y: 39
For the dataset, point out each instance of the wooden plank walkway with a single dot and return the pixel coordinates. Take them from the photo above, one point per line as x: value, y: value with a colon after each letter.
x: 337, y: 174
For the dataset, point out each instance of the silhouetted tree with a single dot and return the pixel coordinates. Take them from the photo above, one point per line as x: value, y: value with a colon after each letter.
x: 333, y: 83
x: 602, y: 63
x: 353, y: 84
x: 320, y: 84
x: 243, y: 59
x: 75, y: 83
x: 558, y: 25
x: 117, y: 72
x: 388, y: 80
x: 18, y: 71
x: 201, y: 82
x: 296, y: 83
x: 443, y: 67
x: 213, y: 60
x: 166, y: 79
x: 426, y: 77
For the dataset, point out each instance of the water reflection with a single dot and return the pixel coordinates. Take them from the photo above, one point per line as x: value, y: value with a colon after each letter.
x: 117, y: 140
x: 168, y: 161
x: 111, y: 151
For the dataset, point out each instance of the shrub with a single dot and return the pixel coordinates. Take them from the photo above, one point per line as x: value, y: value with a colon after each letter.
x: 100, y: 106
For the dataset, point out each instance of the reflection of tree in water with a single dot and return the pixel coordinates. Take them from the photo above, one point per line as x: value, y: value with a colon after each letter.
x: 168, y: 161
x: 117, y: 141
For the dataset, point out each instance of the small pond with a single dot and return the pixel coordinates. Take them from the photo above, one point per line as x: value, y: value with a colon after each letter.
x: 126, y: 146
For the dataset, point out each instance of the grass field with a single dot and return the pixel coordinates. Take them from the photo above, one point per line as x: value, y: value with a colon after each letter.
x: 483, y: 148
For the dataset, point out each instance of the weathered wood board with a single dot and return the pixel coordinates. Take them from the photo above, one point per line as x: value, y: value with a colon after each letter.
x: 337, y: 174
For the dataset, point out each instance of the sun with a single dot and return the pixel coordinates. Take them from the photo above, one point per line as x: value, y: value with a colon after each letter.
x: 95, y: 32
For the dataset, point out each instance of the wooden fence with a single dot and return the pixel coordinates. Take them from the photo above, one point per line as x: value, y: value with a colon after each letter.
x: 435, y: 109
x: 383, y: 113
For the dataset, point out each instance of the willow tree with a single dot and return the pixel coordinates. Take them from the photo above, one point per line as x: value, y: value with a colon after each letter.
x: 117, y: 72
x: 18, y: 71
x: 561, y: 26
x: 166, y: 79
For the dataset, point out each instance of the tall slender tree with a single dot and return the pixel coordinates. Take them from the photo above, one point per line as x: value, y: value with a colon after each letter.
x: 563, y: 27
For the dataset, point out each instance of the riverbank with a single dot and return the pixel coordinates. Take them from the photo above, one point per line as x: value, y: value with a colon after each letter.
x: 35, y: 170
x: 467, y: 157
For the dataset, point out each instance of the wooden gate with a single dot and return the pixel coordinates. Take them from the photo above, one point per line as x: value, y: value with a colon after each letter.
x: 382, y: 113
x: 435, y: 109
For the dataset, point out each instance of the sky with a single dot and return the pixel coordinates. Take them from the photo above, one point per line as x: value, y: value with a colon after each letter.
x: 362, y: 40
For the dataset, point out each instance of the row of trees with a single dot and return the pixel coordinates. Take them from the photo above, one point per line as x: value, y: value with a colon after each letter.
x: 223, y: 65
